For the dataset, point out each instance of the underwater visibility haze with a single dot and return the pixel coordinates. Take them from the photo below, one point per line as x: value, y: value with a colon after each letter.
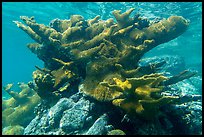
x: 101, y: 68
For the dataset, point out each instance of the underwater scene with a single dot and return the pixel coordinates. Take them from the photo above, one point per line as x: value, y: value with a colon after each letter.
x: 101, y: 68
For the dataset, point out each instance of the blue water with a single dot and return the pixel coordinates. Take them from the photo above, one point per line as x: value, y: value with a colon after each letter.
x: 18, y: 61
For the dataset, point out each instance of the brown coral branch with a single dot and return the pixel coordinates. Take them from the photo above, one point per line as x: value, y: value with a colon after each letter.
x: 87, y: 54
x: 29, y: 31
x: 94, y: 20
x: 160, y: 32
x: 72, y: 45
x: 60, y: 25
x: 34, y: 47
x: 74, y: 19
x: 123, y: 19
x: 183, y: 75
x: 47, y: 33
x: 99, y: 38
x: 67, y: 64
x: 71, y: 31
x: 123, y: 31
x: 44, y: 70
x: 114, y: 87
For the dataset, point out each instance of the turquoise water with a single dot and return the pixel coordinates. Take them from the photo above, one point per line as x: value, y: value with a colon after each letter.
x: 19, y: 62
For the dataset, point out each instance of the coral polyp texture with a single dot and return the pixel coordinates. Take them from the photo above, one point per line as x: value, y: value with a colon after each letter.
x: 101, y: 59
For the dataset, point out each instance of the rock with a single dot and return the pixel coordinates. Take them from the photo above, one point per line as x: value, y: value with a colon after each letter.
x: 99, y: 126
x: 74, y: 118
x: 187, y: 116
x: 72, y: 115
x: 56, y: 111
x: 77, y: 115
x: 152, y: 128
x: 197, y: 83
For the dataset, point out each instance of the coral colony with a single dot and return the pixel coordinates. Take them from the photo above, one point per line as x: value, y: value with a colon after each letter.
x: 100, y: 59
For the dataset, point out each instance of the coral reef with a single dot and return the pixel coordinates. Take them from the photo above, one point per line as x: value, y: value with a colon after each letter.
x: 99, y: 52
x: 80, y: 115
x: 13, y: 130
x: 18, y: 110
x: 116, y: 132
x: 101, y: 60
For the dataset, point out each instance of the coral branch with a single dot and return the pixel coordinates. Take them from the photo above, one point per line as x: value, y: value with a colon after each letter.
x: 160, y: 32
x: 49, y: 34
x: 183, y: 75
x: 67, y: 64
x: 94, y: 20
x: 66, y: 35
x: 60, y: 25
x: 34, y: 47
x: 86, y: 55
x: 18, y: 110
x: 123, y: 31
x: 29, y: 31
x: 123, y: 19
